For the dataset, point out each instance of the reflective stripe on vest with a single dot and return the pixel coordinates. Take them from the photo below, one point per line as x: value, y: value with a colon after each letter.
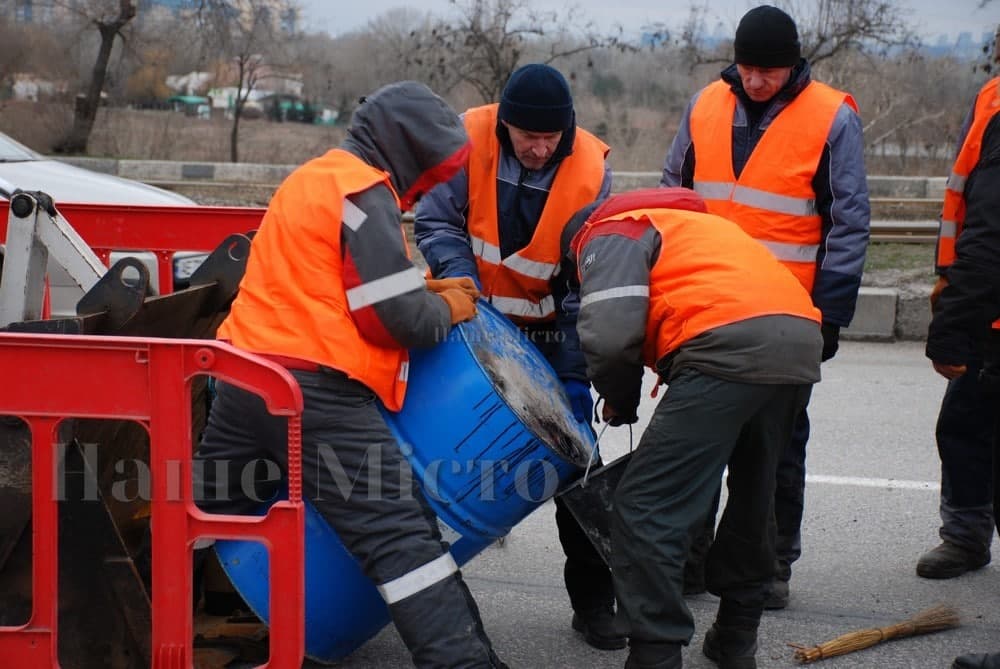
x: 283, y: 308
x: 759, y: 199
x: 953, y: 209
x: 787, y: 222
x: 689, y: 296
x: 490, y: 253
x: 519, y: 286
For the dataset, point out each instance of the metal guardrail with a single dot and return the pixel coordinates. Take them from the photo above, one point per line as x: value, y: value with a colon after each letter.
x: 910, y: 232
x: 922, y: 231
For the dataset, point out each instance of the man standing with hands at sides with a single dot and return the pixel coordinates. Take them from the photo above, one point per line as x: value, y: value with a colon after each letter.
x: 691, y: 296
x: 964, y: 429
x: 499, y: 221
x: 964, y: 334
x: 782, y: 156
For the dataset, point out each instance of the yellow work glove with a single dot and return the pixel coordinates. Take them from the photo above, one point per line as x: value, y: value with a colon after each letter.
x: 461, y: 305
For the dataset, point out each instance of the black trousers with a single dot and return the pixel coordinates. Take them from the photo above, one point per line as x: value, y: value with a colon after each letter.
x: 790, y: 495
x: 702, y: 424
x: 989, y: 381
x: 587, y: 577
x: 964, y: 434
x: 360, y: 482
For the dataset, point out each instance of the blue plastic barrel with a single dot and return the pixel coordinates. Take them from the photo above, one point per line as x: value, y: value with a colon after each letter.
x: 489, y: 434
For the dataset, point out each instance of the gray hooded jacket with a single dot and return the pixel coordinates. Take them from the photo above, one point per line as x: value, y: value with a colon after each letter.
x: 413, y: 135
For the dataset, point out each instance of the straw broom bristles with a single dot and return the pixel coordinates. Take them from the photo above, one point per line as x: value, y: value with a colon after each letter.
x: 934, y: 619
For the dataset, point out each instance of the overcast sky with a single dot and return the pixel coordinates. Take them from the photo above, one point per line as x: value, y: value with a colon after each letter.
x: 929, y: 17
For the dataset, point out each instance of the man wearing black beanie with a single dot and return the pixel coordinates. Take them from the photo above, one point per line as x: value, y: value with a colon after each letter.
x: 499, y: 221
x: 791, y: 173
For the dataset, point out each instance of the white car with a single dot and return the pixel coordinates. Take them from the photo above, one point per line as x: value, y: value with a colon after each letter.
x: 20, y: 167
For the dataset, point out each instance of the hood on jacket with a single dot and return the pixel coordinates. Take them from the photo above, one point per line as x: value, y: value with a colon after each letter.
x: 411, y: 133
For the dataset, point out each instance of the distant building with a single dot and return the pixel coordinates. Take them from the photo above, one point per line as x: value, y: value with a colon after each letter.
x: 26, y: 86
x: 191, y: 83
x: 283, y: 15
x: 28, y: 11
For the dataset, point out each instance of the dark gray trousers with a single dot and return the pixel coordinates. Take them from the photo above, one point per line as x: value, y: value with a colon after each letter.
x: 702, y: 424
x: 359, y: 481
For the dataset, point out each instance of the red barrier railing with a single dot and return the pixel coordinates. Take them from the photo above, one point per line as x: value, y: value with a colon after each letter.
x: 161, y: 230
x: 148, y: 381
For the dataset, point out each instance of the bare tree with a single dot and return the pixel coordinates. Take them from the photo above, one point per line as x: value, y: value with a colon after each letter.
x: 407, y: 45
x: 318, y: 55
x: 488, y: 39
x: 30, y: 49
x: 247, y: 36
x: 991, y: 50
x: 109, y: 17
x: 827, y: 29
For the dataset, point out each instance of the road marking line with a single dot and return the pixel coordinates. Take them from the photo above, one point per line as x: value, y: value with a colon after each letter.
x: 861, y: 482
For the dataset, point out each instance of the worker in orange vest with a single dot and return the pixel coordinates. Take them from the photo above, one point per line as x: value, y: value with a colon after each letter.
x: 782, y: 156
x: 331, y: 294
x: 499, y: 221
x: 964, y: 429
x: 963, y: 340
x: 668, y: 286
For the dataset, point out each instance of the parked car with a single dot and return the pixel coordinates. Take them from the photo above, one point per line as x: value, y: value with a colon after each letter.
x: 20, y: 167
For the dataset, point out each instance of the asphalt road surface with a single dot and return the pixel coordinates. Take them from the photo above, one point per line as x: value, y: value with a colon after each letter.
x: 871, y: 510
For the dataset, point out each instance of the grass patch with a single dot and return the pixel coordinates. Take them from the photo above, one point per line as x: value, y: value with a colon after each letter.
x: 890, y: 264
x: 889, y: 255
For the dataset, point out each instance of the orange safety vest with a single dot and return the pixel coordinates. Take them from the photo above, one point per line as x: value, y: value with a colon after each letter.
x: 709, y: 273
x: 292, y: 301
x: 519, y: 286
x: 953, y: 211
x: 773, y: 200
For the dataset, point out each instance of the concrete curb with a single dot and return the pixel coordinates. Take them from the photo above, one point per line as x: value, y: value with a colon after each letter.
x: 886, y: 314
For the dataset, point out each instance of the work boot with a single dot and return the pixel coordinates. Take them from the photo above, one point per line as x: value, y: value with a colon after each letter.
x: 777, y: 598
x: 730, y: 647
x: 950, y: 560
x: 977, y: 661
x: 654, y: 656
x: 598, y: 629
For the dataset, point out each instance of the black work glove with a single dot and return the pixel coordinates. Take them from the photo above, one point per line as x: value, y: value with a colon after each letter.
x: 614, y: 419
x: 831, y: 340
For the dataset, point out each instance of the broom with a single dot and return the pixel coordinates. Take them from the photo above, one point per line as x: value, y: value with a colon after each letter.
x: 934, y: 619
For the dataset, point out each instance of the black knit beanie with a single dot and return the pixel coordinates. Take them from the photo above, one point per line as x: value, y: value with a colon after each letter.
x: 537, y: 99
x: 767, y: 37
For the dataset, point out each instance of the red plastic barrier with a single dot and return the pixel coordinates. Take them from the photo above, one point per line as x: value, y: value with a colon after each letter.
x: 149, y: 381
x: 162, y: 230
